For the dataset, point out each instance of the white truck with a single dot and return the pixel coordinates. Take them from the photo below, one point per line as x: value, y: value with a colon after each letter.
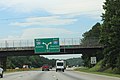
x: 60, y: 65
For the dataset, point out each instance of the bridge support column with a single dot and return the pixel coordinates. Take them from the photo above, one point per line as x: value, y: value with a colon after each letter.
x: 3, y: 61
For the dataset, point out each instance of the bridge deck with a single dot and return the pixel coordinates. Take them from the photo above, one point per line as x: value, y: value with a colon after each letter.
x: 61, y: 47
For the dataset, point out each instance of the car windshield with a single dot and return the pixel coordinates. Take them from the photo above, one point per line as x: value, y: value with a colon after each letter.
x: 59, y: 64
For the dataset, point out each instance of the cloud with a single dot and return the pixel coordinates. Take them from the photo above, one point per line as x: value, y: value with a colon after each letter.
x: 54, y: 6
x: 49, y: 20
x: 32, y: 33
x: 27, y: 37
x: 47, y: 32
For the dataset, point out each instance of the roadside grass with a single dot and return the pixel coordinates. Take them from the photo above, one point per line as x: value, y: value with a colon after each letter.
x: 84, y: 69
x: 96, y: 70
x: 21, y: 69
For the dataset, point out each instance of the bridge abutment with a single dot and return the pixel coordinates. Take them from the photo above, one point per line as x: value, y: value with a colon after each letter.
x: 3, y: 61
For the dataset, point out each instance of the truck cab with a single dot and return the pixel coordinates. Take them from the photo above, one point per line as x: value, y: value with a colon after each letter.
x: 60, y: 65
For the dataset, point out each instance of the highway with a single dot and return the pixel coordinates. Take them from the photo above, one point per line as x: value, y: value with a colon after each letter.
x: 52, y: 75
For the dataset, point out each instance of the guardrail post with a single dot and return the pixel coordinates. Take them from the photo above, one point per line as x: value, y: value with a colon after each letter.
x: 13, y: 43
x: 72, y: 41
x: 6, y: 45
x: 75, y: 42
x: 64, y: 45
x: 20, y: 43
x: 1, y: 45
x: 79, y: 41
x: 27, y: 43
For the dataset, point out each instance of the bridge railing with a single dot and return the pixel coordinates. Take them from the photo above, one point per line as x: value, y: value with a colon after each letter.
x: 16, y: 43
x: 70, y: 41
x: 65, y: 42
x: 29, y: 43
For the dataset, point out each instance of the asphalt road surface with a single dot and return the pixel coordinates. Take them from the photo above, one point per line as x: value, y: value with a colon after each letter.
x: 52, y: 75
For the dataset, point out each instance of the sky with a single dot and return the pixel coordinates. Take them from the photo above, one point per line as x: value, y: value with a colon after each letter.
x: 30, y: 19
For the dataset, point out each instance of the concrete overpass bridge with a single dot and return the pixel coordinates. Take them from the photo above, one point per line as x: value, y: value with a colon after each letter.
x: 67, y: 46
x: 64, y: 49
x: 26, y: 48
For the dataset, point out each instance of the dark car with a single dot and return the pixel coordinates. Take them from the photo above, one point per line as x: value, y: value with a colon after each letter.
x: 45, y: 67
x: 50, y: 67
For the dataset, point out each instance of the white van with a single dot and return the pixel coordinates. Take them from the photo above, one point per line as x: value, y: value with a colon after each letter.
x: 60, y: 65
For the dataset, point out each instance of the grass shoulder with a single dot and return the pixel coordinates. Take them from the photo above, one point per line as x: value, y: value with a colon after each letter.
x: 21, y: 69
x: 90, y: 70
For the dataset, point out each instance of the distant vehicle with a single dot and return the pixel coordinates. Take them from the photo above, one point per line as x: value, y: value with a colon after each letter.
x: 50, y: 67
x: 25, y: 66
x: 1, y: 72
x: 69, y: 66
x: 60, y: 65
x: 45, y: 67
x: 65, y: 65
x: 17, y: 68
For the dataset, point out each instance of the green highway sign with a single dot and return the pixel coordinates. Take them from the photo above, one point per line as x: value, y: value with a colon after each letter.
x: 47, y: 45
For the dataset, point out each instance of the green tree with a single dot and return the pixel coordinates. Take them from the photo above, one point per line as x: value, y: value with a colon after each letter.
x: 91, y: 38
x: 110, y: 33
x: 74, y: 62
x: 34, y: 61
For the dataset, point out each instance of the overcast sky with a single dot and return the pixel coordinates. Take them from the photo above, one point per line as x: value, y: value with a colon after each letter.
x: 30, y: 19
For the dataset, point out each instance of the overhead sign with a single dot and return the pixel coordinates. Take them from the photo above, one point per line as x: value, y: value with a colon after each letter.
x: 93, y: 60
x: 47, y: 45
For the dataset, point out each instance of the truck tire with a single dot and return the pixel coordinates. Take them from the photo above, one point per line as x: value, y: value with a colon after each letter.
x: 56, y: 70
x: 63, y: 70
x: 1, y: 76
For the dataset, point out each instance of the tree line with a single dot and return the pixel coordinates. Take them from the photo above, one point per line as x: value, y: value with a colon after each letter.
x: 107, y: 34
x: 38, y: 61
x: 32, y: 61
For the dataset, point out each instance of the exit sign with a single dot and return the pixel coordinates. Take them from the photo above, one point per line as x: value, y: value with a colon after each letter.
x: 47, y: 45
